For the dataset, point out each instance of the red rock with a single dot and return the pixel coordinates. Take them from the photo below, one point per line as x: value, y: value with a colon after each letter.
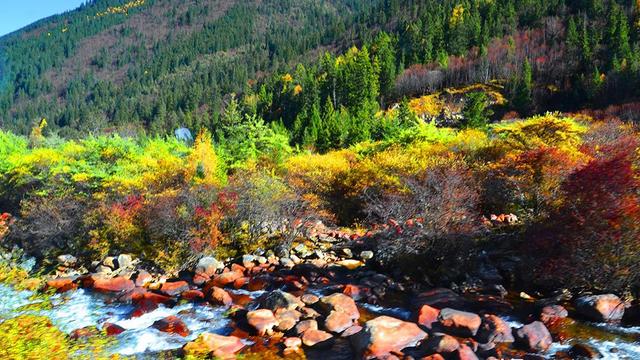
x: 309, y: 299
x: 174, y: 288
x: 213, y: 344
x: 192, y: 295
x: 238, y: 268
x: 287, y: 319
x: 218, y: 296
x: 262, y: 320
x: 116, y: 284
x: 240, y: 283
x: 61, y: 284
x: 465, y: 353
x: 384, y: 335
x: 534, y: 336
x: 256, y: 284
x: 306, y: 325
x: 226, y: 278
x: 199, y: 279
x: 338, y: 321
x: 172, y: 324
x: 494, y: 330
x: 315, y: 337
x: 551, y: 314
x: 342, y: 303
x: 606, y: 307
x: 459, y: 323
x: 352, y: 331
x: 140, y: 294
x: 112, y: 329
x: 427, y: 316
x: 143, y: 307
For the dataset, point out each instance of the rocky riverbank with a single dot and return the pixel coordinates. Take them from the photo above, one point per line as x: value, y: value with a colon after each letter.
x: 324, y: 299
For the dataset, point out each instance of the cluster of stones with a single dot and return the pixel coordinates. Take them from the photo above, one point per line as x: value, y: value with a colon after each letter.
x: 442, y: 326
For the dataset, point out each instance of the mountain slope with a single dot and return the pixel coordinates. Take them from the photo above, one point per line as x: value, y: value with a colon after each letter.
x: 91, y: 68
x: 154, y: 65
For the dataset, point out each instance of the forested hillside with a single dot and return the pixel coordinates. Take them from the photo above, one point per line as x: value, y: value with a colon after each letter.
x: 154, y: 65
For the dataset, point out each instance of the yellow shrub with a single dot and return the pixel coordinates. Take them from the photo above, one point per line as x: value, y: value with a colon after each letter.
x: 544, y: 130
x: 204, y: 167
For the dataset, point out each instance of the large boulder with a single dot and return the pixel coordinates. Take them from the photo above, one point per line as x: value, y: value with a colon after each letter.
x: 287, y: 319
x: 606, y: 307
x: 316, y: 337
x: 534, y: 337
x: 459, y: 323
x: 174, y: 288
x: 494, y: 330
x: 551, y: 314
x: 279, y: 299
x: 116, y: 284
x: 263, y: 320
x: 305, y: 325
x: 338, y: 321
x: 384, y: 335
x: 212, y: 344
x: 341, y: 303
x: 172, y: 324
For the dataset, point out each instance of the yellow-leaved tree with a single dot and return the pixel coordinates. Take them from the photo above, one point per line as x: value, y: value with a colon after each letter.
x: 204, y: 166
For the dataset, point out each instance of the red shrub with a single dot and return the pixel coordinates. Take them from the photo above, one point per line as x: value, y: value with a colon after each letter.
x: 593, y: 241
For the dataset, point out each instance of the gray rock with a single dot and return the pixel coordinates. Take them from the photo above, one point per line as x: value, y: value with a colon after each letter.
x: 366, y: 255
x: 278, y: 299
x: 286, y: 262
x: 67, y: 260
x: 208, y: 265
x: 124, y: 261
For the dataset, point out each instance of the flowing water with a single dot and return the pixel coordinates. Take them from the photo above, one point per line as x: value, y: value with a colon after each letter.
x: 80, y: 308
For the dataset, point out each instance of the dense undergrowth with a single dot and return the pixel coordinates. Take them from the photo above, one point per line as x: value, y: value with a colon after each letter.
x: 571, y: 181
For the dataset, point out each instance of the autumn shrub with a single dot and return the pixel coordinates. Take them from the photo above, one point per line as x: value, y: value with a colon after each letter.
x: 267, y: 212
x: 551, y: 130
x: 320, y: 181
x: 591, y: 241
x: 527, y: 183
x: 167, y: 228
x: 441, y: 202
x: 51, y: 225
